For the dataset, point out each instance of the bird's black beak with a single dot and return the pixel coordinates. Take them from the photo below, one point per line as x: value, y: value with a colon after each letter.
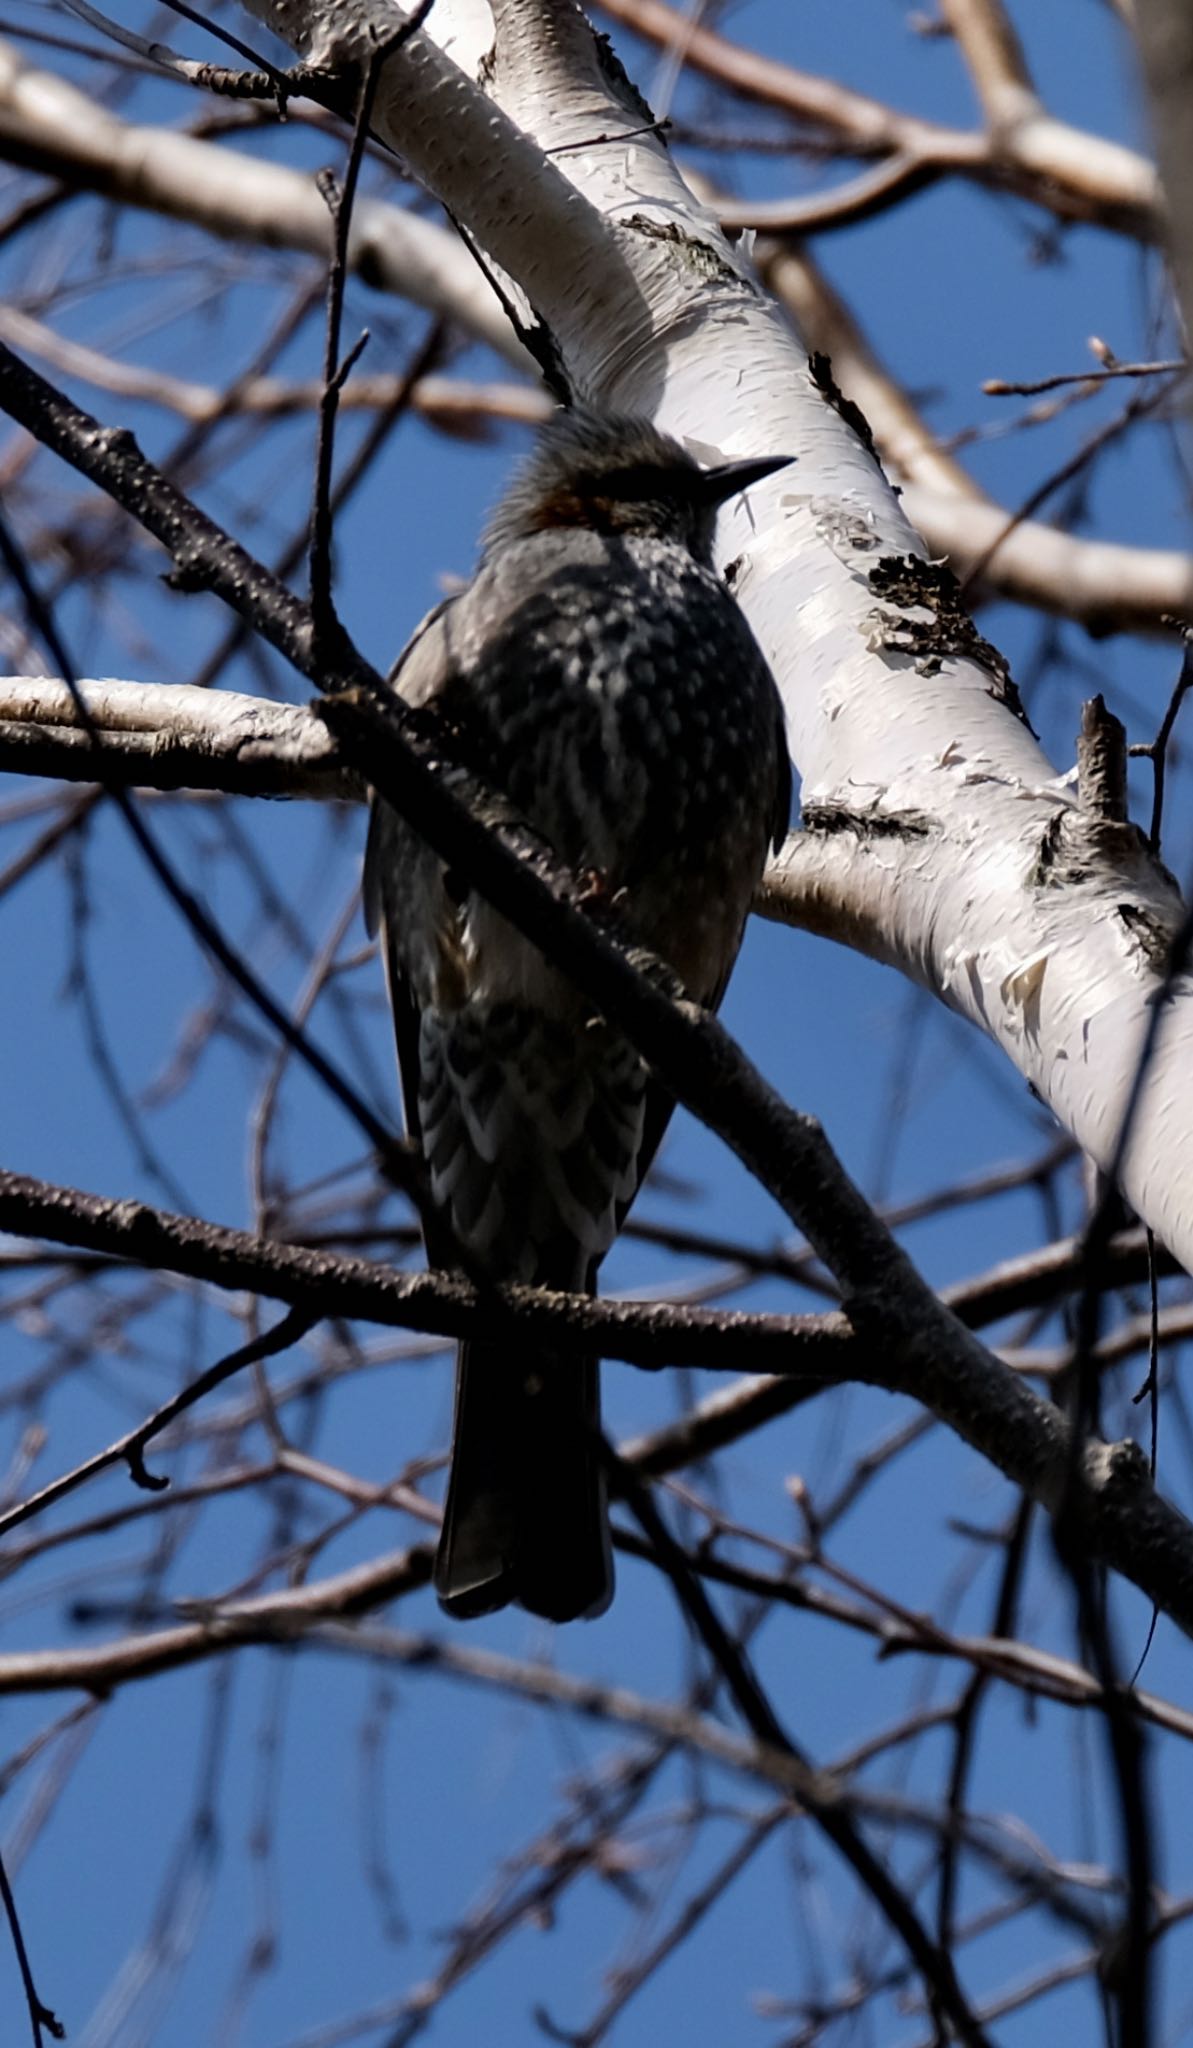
x: 731, y: 477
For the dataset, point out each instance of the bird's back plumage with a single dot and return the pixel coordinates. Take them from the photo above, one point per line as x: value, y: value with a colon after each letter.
x: 606, y: 683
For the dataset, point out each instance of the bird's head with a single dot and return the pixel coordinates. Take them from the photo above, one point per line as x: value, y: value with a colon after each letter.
x: 616, y: 474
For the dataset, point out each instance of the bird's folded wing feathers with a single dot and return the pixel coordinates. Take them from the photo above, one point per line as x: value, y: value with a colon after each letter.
x: 418, y: 676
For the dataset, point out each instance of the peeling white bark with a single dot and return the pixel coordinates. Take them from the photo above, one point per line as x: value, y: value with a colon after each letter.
x: 1099, y: 582
x: 947, y: 810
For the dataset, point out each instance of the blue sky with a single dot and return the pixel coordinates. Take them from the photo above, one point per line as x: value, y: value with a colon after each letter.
x: 910, y: 1098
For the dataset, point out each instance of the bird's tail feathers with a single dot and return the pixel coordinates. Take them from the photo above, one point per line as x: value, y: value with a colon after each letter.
x: 526, y: 1517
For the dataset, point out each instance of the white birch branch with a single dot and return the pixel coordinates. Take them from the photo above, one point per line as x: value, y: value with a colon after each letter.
x: 454, y: 403
x: 48, y: 125
x: 981, y: 880
x: 168, y: 736
x: 1164, y: 32
x: 1105, y: 585
x: 1076, y: 174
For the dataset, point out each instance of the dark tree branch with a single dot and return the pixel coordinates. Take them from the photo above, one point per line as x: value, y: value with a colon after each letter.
x: 816, y: 1796
x: 1122, y: 1518
x: 397, y: 1159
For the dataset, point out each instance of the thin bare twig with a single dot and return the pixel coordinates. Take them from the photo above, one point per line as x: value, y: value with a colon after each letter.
x: 933, y: 1962
x: 1156, y: 751
x: 396, y: 1158
x: 1105, y: 373
x: 130, y: 1448
x: 39, y: 2013
x: 340, y: 201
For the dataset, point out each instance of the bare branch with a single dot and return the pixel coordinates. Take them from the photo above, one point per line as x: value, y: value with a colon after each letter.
x: 50, y: 126
x: 1124, y: 1520
x: 170, y: 737
x: 1075, y: 175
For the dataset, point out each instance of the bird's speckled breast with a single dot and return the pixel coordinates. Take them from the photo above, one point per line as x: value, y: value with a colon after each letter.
x: 614, y: 691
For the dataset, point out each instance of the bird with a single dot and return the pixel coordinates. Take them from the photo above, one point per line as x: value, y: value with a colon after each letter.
x: 598, y: 675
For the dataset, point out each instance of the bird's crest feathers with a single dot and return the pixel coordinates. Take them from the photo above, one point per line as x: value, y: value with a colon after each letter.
x: 617, y: 474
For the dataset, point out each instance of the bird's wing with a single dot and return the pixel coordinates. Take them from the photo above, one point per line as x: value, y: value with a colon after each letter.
x: 420, y: 670
x: 404, y: 897
x: 419, y: 675
x: 660, y: 1103
x: 781, y: 815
